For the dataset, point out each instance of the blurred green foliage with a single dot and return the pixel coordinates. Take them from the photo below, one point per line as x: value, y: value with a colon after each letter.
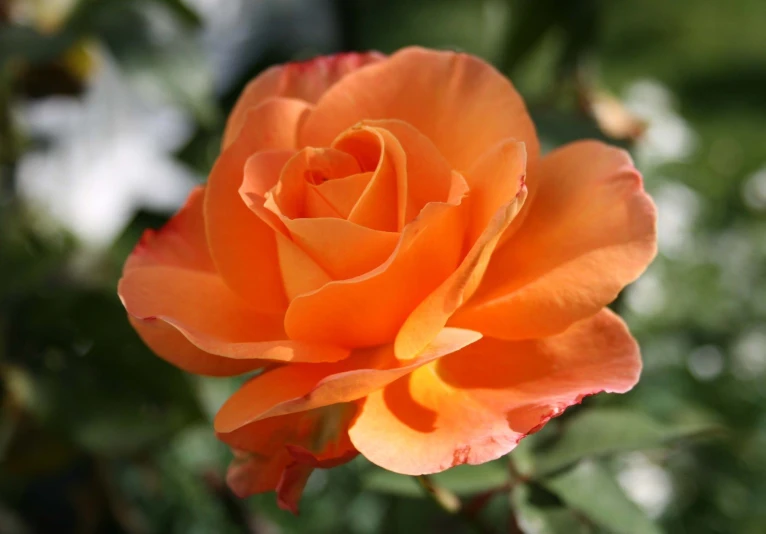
x: 99, y: 436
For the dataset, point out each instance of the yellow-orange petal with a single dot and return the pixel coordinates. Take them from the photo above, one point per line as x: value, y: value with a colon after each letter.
x: 369, y: 309
x: 243, y: 247
x: 458, y: 101
x: 454, y: 411
x: 304, y: 80
x: 300, y: 387
x: 589, y: 232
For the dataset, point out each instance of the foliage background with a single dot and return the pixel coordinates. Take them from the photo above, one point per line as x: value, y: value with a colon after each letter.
x: 110, y: 110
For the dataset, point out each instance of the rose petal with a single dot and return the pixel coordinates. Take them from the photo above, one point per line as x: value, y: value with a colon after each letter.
x: 180, y: 244
x: 369, y: 309
x: 300, y: 273
x: 433, y: 313
x: 341, y: 195
x: 494, y: 180
x: 589, y: 232
x: 168, y: 288
x: 279, y: 453
x: 343, y: 249
x: 454, y: 411
x: 242, y: 246
x: 262, y: 171
x: 335, y: 247
x: 458, y: 101
x: 382, y: 204
x: 306, y: 80
x: 309, y: 166
x: 171, y: 345
x: 296, y: 388
x: 200, y: 306
x: 429, y: 175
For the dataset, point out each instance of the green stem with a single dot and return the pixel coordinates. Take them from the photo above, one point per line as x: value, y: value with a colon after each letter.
x: 450, y: 503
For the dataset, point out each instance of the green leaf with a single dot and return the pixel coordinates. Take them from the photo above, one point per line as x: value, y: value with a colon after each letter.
x: 604, y: 431
x: 591, y: 490
x: 93, y: 380
x: 462, y: 480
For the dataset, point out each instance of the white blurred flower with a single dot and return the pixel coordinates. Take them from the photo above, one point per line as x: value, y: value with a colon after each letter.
x: 646, y: 483
x: 750, y: 354
x: 668, y: 137
x: 677, y: 210
x: 705, y: 363
x: 236, y: 33
x: 109, y: 154
x: 754, y: 190
x: 646, y: 296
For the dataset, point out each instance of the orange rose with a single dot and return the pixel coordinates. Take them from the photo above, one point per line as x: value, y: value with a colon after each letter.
x: 381, y: 236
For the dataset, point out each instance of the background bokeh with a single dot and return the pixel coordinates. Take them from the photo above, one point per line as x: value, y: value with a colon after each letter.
x: 111, y: 110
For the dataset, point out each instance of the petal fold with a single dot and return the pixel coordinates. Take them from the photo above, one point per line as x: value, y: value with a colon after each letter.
x: 300, y: 387
x: 589, y: 231
x: 476, y: 404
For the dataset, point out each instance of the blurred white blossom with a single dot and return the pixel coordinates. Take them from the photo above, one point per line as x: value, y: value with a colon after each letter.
x: 109, y: 153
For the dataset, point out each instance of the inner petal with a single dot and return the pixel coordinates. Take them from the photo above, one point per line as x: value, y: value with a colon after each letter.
x: 341, y: 195
x: 292, y: 196
x: 382, y: 204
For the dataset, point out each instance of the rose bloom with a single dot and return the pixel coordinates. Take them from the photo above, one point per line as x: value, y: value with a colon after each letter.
x: 382, y: 239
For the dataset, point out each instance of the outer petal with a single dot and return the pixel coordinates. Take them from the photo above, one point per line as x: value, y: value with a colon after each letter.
x: 589, y: 232
x: 300, y: 387
x: 171, y: 345
x: 174, y: 296
x: 207, y: 313
x: 454, y: 411
x: 305, y: 80
x: 458, y: 101
x: 369, y: 310
x: 281, y: 452
x: 179, y: 244
x: 242, y: 246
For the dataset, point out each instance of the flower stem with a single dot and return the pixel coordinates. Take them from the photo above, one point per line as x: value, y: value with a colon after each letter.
x: 450, y: 503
